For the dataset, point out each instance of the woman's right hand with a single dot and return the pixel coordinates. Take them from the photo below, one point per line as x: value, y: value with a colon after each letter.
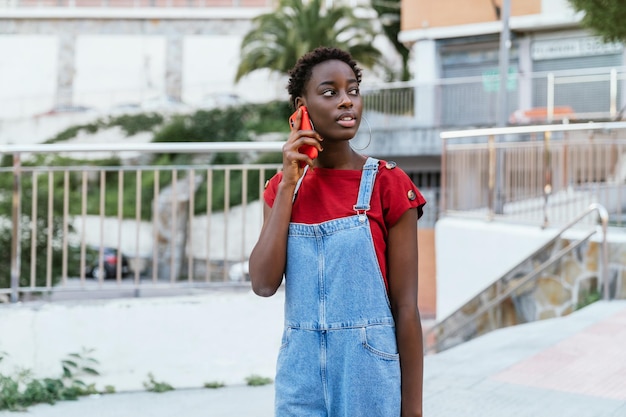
x: 293, y: 160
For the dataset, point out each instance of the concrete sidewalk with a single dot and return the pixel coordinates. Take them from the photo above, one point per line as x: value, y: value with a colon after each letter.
x: 571, y: 366
x: 238, y: 401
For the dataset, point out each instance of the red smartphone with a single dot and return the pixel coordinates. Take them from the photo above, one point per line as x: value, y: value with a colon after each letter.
x: 305, y: 124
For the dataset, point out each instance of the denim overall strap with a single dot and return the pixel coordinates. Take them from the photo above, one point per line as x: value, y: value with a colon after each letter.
x: 368, y: 176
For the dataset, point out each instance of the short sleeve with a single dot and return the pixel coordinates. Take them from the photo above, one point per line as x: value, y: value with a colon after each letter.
x: 399, y: 193
x: 269, y: 195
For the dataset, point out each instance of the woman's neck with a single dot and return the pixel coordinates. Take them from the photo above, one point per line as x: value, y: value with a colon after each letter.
x: 340, y: 158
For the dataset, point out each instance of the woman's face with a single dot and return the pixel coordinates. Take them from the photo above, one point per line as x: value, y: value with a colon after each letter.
x: 333, y: 99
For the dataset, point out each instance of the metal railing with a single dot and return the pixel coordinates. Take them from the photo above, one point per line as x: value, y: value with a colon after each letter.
x: 166, y: 219
x: 155, y: 3
x: 539, y: 174
x: 134, y: 3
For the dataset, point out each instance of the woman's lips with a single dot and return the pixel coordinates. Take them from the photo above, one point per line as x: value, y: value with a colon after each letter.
x: 347, y: 122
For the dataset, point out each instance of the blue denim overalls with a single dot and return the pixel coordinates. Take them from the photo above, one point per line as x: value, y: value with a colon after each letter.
x: 338, y: 356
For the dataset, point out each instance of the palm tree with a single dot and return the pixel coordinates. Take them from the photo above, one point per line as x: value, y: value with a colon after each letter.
x: 389, y: 16
x: 296, y: 27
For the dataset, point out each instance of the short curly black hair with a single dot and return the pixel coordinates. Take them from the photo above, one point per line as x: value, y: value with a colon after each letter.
x: 300, y: 74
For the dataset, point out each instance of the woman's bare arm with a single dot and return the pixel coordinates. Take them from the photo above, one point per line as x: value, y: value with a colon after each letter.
x: 267, y: 259
x: 403, y: 279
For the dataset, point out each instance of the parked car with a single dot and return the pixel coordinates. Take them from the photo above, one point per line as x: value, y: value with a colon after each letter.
x: 109, y: 262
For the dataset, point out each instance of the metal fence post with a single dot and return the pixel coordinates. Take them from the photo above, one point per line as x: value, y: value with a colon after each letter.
x: 547, y: 175
x: 492, y: 176
x: 550, y: 99
x: 16, y: 228
x: 613, y: 94
x: 444, y: 178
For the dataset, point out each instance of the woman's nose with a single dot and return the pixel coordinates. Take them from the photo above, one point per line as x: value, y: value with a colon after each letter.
x: 345, y: 100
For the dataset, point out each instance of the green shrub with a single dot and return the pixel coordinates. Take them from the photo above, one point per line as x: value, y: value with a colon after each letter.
x: 137, y: 123
x: 268, y: 117
x: 131, y: 124
x: 257, y: 381
x: 152, y: 385
x: 214, y: 385
x: 48, y: 390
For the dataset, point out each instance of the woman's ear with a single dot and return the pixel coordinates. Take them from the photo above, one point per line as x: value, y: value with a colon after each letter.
x: 299, y: 102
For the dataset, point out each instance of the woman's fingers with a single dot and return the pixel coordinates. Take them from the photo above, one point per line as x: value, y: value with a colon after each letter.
x: 296, y: 122
x: 294, y: 158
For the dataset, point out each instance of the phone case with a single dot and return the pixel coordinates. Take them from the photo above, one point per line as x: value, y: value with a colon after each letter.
x: 305, y: 124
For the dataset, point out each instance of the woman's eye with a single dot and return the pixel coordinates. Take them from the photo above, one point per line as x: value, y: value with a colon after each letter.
x: 354, y: 92
x: 328, y: 93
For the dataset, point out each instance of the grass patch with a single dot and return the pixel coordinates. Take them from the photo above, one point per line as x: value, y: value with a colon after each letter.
x: 152, y: 385
x: 587, y: 298
x: 257, y: 381
x: 214, y: 385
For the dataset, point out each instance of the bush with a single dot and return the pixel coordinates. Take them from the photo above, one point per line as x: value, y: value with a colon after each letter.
x: 257, y: 381
x: 130, y: 124
x: 19, y: 392
x: 152, y: 385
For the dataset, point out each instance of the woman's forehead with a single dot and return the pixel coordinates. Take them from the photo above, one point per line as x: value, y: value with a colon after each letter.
x: 330, y: 70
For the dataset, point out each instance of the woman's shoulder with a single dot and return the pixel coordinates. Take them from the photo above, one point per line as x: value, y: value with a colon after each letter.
x: 390, y: 171
x: 397, y: 190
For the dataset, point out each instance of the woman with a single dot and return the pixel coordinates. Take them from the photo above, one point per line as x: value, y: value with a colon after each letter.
x: 343, y: 233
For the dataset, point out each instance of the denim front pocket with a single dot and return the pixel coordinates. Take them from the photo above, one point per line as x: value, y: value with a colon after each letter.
x: 286, y: 336
x: 381, y: 341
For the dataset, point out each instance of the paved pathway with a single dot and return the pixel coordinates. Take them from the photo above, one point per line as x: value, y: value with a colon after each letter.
x: 572, y: 366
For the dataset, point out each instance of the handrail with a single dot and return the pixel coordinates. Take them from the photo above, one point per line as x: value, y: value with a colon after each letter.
x: 604, y: 273
x: 604, y: 219
x: 496, y: 131
x: 521, y: 282
x: 178, y: 147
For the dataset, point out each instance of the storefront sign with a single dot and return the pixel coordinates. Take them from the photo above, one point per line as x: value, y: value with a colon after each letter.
x: 573, y: 47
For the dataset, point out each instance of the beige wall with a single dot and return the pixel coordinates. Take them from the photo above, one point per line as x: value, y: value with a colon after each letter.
x: 421, y: 14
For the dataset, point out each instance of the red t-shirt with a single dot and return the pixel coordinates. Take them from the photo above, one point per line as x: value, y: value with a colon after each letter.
x: 326, y: 194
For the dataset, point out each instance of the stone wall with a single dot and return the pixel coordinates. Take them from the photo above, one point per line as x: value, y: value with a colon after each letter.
x: 559, y: 278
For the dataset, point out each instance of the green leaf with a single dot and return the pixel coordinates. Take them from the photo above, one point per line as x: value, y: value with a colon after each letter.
x: 79, y: 383
x: 67, y: 362
x: 90, y: 371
